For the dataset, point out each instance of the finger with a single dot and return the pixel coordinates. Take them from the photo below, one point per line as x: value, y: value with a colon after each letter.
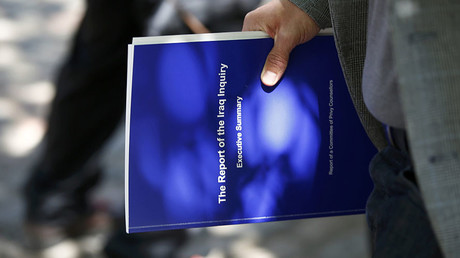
x: 251, y: 21
x: 247, y: 23
x: 276, y: 62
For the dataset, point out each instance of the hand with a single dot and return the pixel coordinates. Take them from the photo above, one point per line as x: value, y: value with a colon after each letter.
x: 288, y: 25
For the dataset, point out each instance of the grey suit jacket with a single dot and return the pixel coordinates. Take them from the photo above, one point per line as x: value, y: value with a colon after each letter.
x: 425, y: 36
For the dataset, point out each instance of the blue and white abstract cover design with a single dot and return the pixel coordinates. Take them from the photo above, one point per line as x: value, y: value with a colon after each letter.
x: 207, y: 144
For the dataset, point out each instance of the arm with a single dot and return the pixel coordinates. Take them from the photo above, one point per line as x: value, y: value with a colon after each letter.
x: 289, y: 25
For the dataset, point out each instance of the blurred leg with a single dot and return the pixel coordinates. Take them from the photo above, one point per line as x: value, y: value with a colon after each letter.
x: 89, y: 103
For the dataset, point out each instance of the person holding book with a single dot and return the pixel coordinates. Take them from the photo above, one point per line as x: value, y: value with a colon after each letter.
x: 402, y: 65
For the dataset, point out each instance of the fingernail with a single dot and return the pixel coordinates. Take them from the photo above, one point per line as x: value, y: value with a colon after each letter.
x: 269, y: 78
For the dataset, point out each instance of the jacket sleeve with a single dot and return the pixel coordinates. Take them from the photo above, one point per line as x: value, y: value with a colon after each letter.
x: 427, y: 55
x: 317, y: 10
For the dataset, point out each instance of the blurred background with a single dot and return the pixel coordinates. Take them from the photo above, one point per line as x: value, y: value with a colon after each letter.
x: 34, y: 39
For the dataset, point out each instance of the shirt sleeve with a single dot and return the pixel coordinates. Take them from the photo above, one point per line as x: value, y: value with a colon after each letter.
x: 318, y: 10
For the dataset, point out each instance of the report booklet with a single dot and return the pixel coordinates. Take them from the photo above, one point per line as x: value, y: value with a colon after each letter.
x: 207, y: 144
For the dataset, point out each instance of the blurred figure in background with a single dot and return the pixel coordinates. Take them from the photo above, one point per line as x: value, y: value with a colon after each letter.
x: 87, y: 108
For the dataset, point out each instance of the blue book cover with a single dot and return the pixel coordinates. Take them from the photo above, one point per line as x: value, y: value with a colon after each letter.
x: 207, y: 144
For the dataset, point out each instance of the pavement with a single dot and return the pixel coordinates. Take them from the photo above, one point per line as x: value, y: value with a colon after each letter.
x: 34, y: 37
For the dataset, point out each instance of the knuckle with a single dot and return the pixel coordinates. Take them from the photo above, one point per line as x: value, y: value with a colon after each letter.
x: 277, y: 61
x: 249, y: 18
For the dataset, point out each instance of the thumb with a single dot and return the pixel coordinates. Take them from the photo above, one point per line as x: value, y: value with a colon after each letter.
x: 276, y: 63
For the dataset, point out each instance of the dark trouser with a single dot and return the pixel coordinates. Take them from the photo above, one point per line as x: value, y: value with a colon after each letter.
x: 395, y: 211
x: 88, y: 106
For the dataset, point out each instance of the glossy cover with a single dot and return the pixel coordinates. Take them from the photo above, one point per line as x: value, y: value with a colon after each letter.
x: 207, y: 144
